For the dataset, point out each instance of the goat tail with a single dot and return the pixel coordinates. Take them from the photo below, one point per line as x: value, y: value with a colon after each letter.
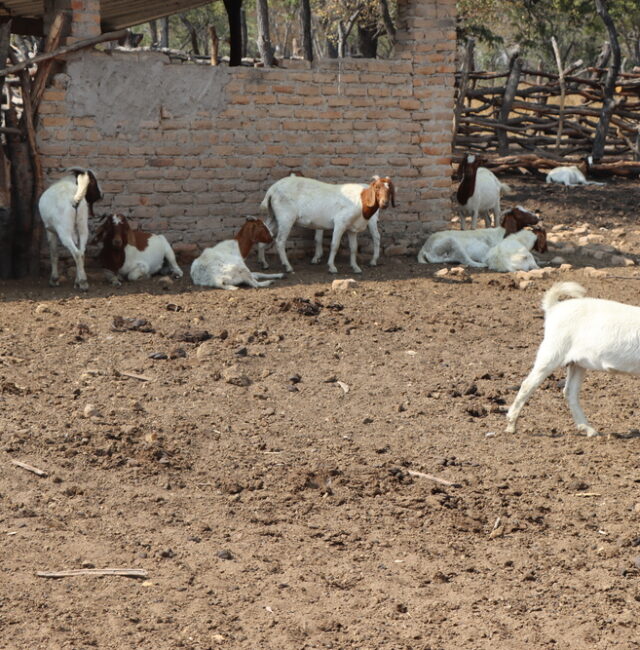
x: 266, y: 205
x: 562, y: 289
x: 504, y: 188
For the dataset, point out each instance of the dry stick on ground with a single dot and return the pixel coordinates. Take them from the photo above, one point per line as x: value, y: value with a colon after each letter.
x: 30, y: 468
x: 430, y: 477
x: 128, y: 573
x: 133, y: 375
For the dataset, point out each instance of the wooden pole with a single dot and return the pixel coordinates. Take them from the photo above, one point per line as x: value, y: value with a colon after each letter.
x: 507, y: 103
x: 556, y: 51
x: 214, y: 44
x: 62, y: 51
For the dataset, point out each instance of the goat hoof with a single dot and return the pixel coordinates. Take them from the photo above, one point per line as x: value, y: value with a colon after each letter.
x: 357, y: 269
x: 315, y: 260
x: 54, y: 282
x: 83, y: 286
x: 333, y: 269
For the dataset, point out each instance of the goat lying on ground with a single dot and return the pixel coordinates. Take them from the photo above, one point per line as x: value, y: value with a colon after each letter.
x: 582, y: 334
x: 569, y: 176
x: 322, y: 206
x: 65, y: 207
x: 513, y: 253
x: 132, y: 254
x: 472, y: 246
x: 223, y: 266
x: 479, y: 192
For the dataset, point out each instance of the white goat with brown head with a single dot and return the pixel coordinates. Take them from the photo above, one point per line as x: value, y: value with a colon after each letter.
x: 324, y: 206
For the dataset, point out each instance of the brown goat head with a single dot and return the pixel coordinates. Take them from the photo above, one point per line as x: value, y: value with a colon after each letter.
x: 518, y: 218
x: 253, y: 231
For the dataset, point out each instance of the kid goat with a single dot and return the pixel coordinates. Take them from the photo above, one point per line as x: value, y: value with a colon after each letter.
x: 64, y: 208
x: 132, y: 254
x: 323, y: 206
x: 582, y: 334
x: 223, y: 265
x: 471, y: 247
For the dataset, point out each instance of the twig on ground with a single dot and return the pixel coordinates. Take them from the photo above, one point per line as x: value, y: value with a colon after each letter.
x: 430, y: 477
x: 128, y: 573
x: 30, y: 468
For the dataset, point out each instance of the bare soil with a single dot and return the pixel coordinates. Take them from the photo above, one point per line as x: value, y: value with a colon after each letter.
x: 262, y: 477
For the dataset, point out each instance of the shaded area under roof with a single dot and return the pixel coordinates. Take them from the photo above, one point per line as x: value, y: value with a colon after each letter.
x: 27, y: 15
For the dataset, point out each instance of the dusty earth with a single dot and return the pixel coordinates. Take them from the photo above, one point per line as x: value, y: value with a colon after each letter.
x: 263, y: 477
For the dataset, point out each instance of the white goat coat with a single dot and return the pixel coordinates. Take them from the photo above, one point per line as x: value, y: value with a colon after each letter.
x: 359, y: 226
x: 468, y: 247
x: 485, y: 198
x: 223, y: 267
x: 64, y: 222
x: 513, y: 253
x: 583, y: 334
x: 138, y: 264
x: 569, y: 175
x: 313, y: 204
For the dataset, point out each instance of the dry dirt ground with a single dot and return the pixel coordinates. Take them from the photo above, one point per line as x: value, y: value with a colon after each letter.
x: 263, y: 478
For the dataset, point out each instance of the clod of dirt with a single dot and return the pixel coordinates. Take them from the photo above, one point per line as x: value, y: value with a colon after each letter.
x: 302, y: 305
x: 157, y: 356
x: 191, y: 336
x: 173, y: 307
x: 90, y: 411
x: 233, y: 375
x: 121, y: 324
x: 178, y: 353
x: 225, y: 555
x: 295, y: 379
x: 343, y: 285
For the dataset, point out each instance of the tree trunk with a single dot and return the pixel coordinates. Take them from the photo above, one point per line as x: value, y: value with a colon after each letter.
x: 153, y: 28
x: 264, y: 39
x: 344, y: 29
x: 234, y: 15
x: 164, y: 39
x: 388, y: 22
x: 192, y: 34
x: 609, y: 102
x: 305, y: 18
x: 245, y: 33
x: 368, y: 40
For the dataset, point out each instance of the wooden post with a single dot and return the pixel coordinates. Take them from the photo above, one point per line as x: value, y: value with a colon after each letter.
x: 214, y: 44
x: 556, y: 51
x: 507, y: 103
x: 6, y: 216
x: 264, y: 39
x: 305, y: 17
x: 608, y: 100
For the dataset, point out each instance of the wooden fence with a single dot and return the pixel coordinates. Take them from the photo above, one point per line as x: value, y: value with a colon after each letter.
x: 523, y: 111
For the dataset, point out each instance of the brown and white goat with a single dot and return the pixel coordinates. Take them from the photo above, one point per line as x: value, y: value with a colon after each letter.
x: 479, y: 192
x: 223, y: 266
x: 132, y: 254
x: 64, y: 208
x: 309, y: 203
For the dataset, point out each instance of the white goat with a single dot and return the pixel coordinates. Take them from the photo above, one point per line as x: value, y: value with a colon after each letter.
x: 513, y: 253
x: 569, y: 176
x: 582, y: 334
x: 65, y: 207
x: 132, y: 254
x: 223, y: 265
x: 472, y: 246
x: 322, y: 206
x: 479, y: 192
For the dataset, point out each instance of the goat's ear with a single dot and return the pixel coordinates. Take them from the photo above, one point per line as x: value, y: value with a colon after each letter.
x: 392, y: 189
x: 509, y: 223
x: 369, y: 197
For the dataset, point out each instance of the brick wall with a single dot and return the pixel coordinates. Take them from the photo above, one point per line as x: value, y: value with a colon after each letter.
x: 189, y: 150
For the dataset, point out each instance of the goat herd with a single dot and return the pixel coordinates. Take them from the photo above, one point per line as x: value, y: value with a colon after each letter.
x: 581, y: 333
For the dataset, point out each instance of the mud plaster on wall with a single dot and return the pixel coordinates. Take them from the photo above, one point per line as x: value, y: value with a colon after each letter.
x: 126, y: 90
